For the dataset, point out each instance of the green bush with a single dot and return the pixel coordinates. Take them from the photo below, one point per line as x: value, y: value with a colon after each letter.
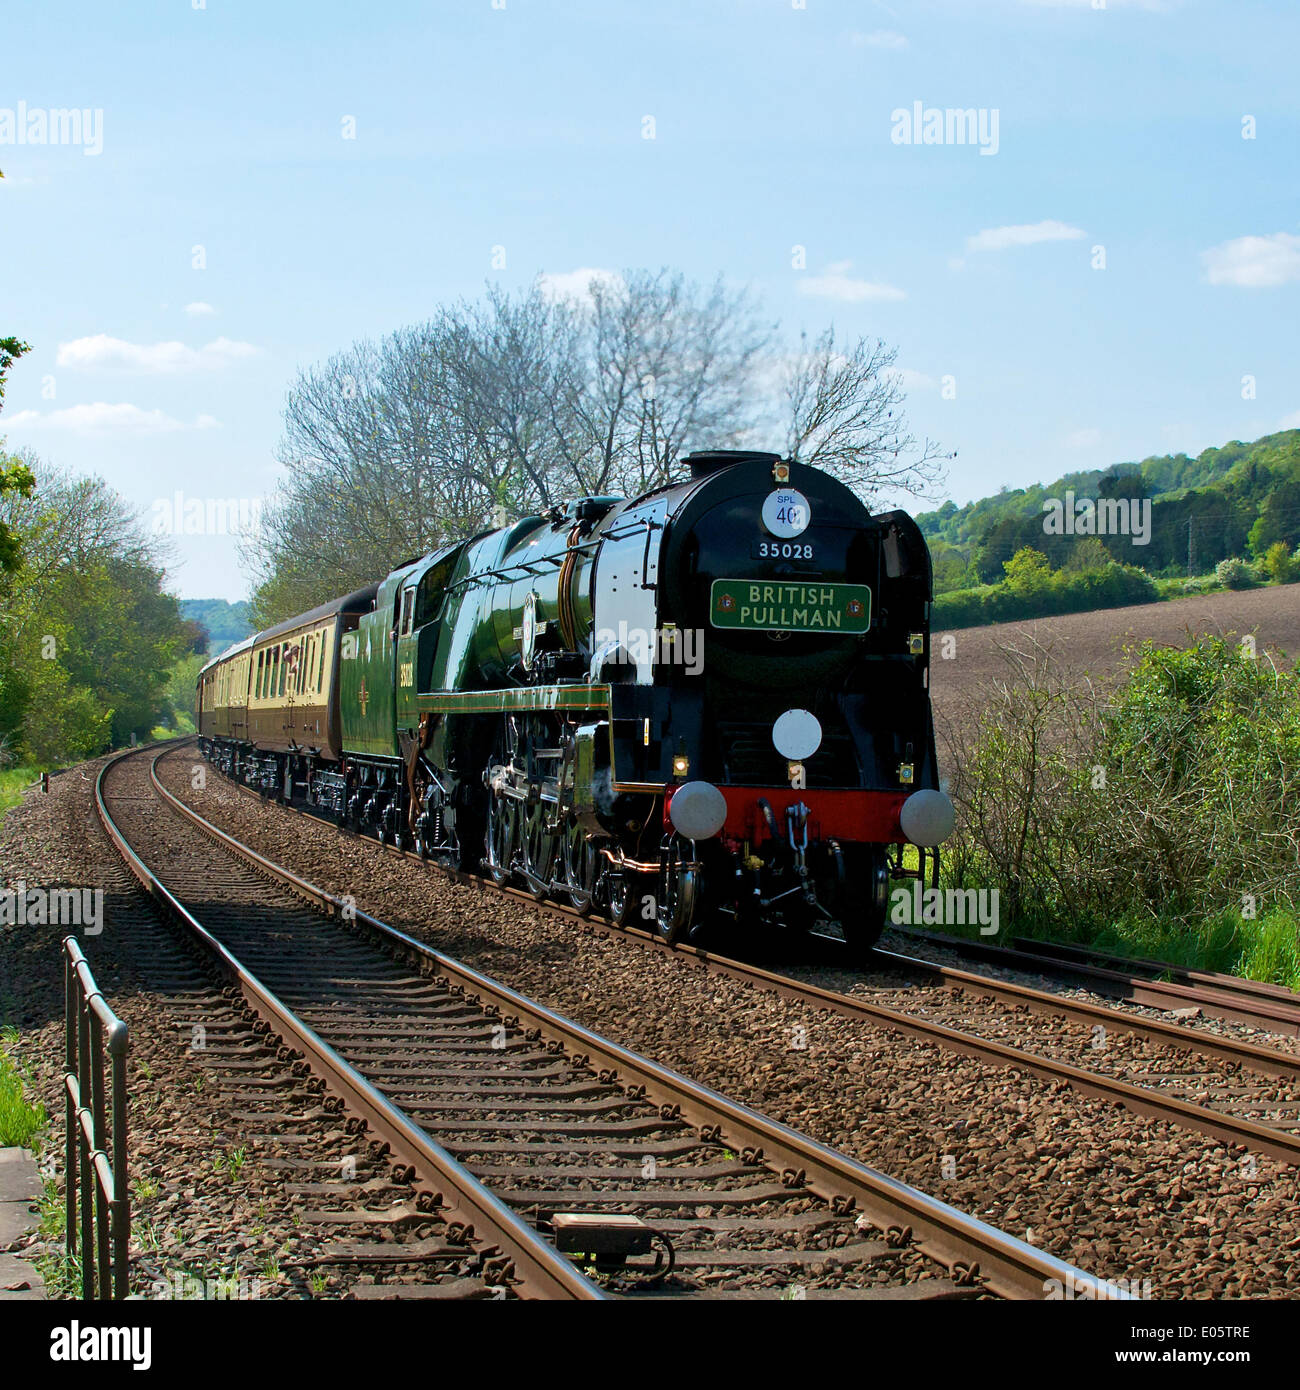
x: 1233, y: 573
x: 1165, y: 812
x: 1033, y: 590
x: 1279, y: 564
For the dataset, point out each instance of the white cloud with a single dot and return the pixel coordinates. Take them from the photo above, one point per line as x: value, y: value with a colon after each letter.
x: 1290, y: 422
x: 198, y: 308
x: 879, y: 38
x: 207, y: 422
x: 1254, y: 262
x: 101, y: 351
x: 99, y: 418
x: 1025, y: 234
x: 838, y: 284
x: 1083, y: 439
x: 576, y: 284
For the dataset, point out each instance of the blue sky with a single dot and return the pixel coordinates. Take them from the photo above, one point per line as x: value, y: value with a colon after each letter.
x: 478, y: 126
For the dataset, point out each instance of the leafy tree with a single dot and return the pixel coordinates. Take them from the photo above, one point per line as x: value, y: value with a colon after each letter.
x: 1202, y: 508
x: 89, y: 636
x: 951, y: 566
x: 15, y: 476
x: 1029, y: 571
x: 11, y: 349
x: 1279, y: 520
x: 1088, y: 554
x: 1279, y: 564
x: 178, y: 695
x: 513, y: 403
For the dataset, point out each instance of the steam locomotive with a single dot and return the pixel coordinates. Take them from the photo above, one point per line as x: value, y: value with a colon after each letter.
x: 706, y: 704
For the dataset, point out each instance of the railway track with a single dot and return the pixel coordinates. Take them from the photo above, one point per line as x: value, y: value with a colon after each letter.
x: 1239, y: 1092
x: 523, y: 1131
x: 1261, y: 1005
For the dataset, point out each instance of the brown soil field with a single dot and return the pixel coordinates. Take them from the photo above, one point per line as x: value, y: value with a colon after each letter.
x: 1092, y: 644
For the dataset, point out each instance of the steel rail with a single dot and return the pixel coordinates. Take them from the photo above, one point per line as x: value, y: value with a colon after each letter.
x: 541, y: 1271
x: 1214, y: 979
x: 966, y: 1245
x: 1263, y: 1138
x: 1220, y: 996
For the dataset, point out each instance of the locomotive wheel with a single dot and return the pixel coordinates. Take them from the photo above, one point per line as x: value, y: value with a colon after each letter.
x: 624, y: 900
x: 866, y: 901
x: 499, y: 838
x: 580, y: 864
x: 678, y: 889
x: 539, y: 845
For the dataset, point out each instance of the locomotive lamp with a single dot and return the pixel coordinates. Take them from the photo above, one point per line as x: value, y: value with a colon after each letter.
x: 905, y: 774
x: 681, y: 762
x: 927, y: 817
x: 916, y: 643
x: 797, y: 735
x: 780, y: 472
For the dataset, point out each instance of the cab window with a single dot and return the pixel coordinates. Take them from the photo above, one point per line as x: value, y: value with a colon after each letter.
x: 433, y: 588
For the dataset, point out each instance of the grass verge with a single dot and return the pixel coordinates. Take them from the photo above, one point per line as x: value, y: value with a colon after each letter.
x: 12, y: 784
x: 20, y: 1119
x: 1266, y: 948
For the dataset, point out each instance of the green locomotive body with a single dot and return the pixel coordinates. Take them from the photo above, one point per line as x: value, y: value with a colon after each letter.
x: 709, y: 702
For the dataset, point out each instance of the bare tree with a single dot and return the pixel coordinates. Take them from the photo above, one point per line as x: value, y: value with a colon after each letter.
x: 662, y: 363
x: 845, y: 414
x: 505, y: 364
x: 513, y: 403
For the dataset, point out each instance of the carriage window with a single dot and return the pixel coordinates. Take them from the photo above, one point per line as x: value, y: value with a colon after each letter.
x: 320, y: 668
x: 257, y: 684
x: 408, y: 607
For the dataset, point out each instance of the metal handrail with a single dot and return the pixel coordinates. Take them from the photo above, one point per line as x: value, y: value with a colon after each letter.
x: 97, y: 1196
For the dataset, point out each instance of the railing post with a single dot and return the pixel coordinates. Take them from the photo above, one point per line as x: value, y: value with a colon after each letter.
x: 70, y: 1104
x: 97, y: 1198
x: 121, y: 1178
x: 86, y: 1167
x: 99, y: 1128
